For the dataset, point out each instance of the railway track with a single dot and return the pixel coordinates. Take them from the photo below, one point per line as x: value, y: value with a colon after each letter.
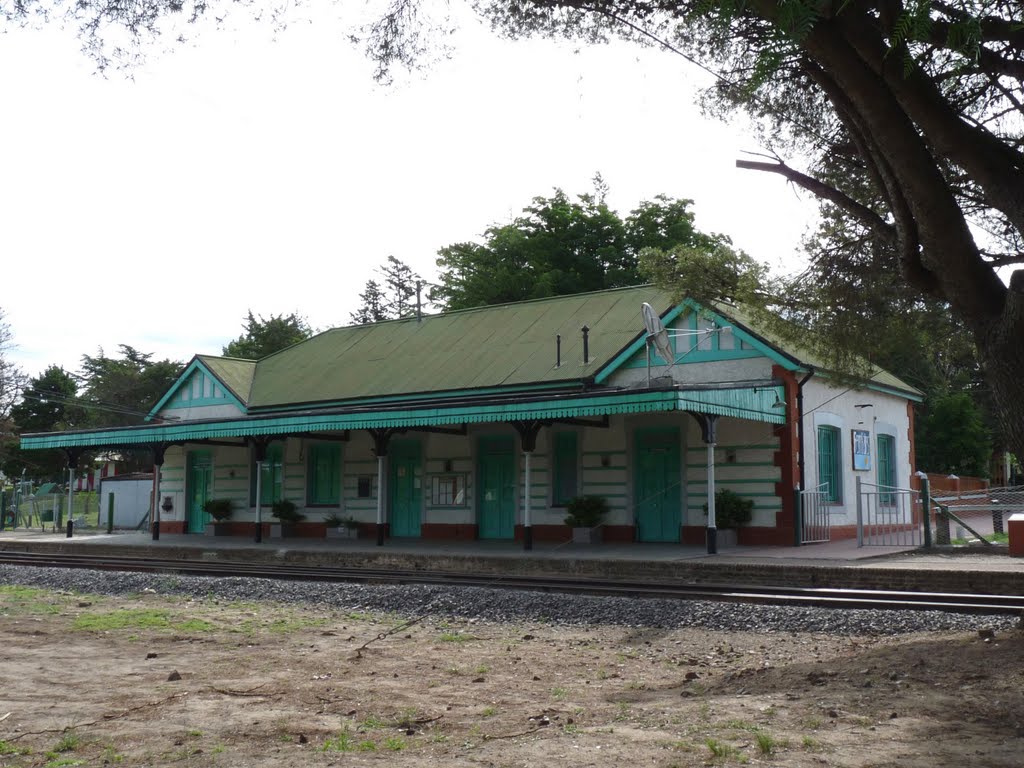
x: 776, y: 595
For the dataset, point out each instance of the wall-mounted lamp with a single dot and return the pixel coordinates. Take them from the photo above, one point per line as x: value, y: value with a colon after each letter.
x: 860, y: 408
x: 779, y: 402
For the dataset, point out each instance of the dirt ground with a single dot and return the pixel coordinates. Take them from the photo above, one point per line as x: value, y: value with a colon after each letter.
x: 152, y: 681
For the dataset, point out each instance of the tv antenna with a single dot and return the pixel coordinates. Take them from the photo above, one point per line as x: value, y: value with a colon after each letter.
x: 658, y: 336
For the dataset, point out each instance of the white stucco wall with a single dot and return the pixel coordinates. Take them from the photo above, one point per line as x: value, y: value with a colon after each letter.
x: 826, y: 403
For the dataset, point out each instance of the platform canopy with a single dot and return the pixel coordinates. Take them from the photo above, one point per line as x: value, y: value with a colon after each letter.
x: 743, y: 402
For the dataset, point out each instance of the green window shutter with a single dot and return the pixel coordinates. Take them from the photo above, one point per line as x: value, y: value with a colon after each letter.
x: 887, y: 466
x: 830, y: 467
x: 565, y: 466
x: 272, y: 481
x: 324, y: 474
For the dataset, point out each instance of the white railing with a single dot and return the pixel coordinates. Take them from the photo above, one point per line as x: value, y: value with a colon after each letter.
x: 888, y: 516
x: 815, y: 526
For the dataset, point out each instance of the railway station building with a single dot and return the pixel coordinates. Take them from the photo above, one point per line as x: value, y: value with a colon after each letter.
x: 484, y: 423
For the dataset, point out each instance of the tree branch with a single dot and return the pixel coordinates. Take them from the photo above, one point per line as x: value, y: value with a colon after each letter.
x: 861, y: 212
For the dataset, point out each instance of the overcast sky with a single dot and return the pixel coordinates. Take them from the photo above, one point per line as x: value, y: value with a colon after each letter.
x: 253, y: 169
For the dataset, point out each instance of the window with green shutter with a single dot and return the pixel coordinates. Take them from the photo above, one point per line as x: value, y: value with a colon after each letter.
x: 323, y: 484
x: 830, y: 464
x: 272, y: 478
x: 887, y: 467
x: 564, y: 469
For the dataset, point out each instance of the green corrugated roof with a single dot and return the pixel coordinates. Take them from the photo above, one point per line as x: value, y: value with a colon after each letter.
x: 237, y: 374
x: 876, y: 376
x: 505, y: 345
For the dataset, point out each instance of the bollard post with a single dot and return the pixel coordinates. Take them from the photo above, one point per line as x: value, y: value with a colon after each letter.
x: 71, y: 527
x: 926, y: 502
x: 110, y: 513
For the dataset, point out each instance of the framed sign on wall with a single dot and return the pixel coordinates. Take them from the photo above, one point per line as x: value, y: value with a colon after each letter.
x: 861, y: 450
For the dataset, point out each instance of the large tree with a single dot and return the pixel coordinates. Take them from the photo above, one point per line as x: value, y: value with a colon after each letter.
x: 560, y: 246
x: 264, y: 336
x: 397, y: 295
x: 12, y: 380
x: 47, y: 404
x: 120, y: 391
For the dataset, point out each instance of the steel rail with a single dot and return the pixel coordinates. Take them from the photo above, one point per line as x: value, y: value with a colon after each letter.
x: 776, y: 595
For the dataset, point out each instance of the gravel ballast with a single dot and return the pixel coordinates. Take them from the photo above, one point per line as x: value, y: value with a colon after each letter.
x: 499, y: 605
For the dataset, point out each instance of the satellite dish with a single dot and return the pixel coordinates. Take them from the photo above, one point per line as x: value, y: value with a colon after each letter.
x: 657, y: 334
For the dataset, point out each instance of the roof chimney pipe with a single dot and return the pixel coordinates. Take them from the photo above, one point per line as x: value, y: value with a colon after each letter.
x: 586, y: 344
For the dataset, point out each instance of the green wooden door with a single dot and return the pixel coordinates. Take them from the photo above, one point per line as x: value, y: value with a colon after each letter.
x: 405, y: 488
x: 200, y: 484
x: 496, y: 488
x: 657, y: 488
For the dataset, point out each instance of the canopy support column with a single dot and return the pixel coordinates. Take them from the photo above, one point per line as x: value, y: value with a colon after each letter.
x: 708, y: 429
x: 528, y: 431
x: 158, y: 462
x: 381, y: 438
x: 259, y: 449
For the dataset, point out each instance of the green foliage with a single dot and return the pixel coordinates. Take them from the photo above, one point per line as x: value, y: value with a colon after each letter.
x: 953, y: 438
x: 139, y: 618
x: 586, y: 511
x: 343, y: 742
x: 219, y: 509
x: 47, y: 405
x: 265, y: 336
x: 561, y: 246
x: 395, y: 299
x: 731, y: 509
x: 286, y: 511
x: 121, y: 391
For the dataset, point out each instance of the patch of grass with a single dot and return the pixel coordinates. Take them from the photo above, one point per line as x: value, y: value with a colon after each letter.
x: 372, y: 721
x: 489, y: 712
x: 454, y: 637
x: 812, y: 723
x: 137, y: 618
x: 766, y: 743
x: 720, y: 750
x: 343, y: 742
x: 558, y: 693
x: 623, y: 712
x: 367, y: 745
x: 63, y: 762
x: 6, y: 748
x: 482, y: 669
x: 395, y: 743
x: 811, y: 744
x: 111, y: 756
x: 194, y: 734
x: 29, y: 599
x: 69, y: 742
x: 570, y: 728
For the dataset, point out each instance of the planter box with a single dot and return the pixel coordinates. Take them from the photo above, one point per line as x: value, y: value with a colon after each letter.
x: 726, y: 538
x: 341, y: 532
x: 586, y: 535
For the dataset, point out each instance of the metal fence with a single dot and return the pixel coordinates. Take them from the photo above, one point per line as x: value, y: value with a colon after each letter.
x: 815, y: 525
x: 888, y: 516
x: 976, y: 512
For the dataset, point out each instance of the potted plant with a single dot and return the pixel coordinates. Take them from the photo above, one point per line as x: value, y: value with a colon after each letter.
x: 586, y: 514
x: 731, y: 511
x: 288, y: 517
x: 220, y: 511
x: 339, y: 527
